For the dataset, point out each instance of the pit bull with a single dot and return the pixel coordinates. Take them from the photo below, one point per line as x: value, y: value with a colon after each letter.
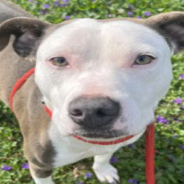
x: 100, y: 79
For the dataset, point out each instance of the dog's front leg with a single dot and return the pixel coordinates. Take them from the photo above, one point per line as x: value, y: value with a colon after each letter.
x: 104, y: 171
x: 40, y: 176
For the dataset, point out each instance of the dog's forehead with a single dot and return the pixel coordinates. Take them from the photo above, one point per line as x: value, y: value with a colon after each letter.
x: 83, y: 34
x: 81, y: 28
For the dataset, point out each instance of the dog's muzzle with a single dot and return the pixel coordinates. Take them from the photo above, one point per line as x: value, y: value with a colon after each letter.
x: 94, y: 112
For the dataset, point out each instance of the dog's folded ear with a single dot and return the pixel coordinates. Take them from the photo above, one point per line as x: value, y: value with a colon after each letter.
x: 27, y: 32
x: 171, y: 26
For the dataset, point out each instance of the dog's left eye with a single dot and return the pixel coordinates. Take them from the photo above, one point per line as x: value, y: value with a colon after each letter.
x: 59, y: 61
x: 143, y: 59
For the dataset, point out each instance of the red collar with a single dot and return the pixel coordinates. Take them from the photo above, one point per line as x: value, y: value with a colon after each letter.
x: 149, y: 135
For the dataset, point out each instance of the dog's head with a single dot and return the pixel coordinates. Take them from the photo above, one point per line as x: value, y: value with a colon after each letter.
x: 100, y: 78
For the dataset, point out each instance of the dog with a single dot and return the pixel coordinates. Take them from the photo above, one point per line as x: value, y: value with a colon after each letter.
x: 101, y: 80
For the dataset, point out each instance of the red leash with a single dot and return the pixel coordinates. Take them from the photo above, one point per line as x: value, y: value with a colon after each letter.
x: 18, y: 84
x: 150, y: 153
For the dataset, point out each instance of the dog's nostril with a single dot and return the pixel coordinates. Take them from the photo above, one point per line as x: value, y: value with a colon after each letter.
x: 76, y: 112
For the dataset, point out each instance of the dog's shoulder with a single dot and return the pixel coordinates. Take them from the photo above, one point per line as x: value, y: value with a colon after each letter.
x: 9, y: 10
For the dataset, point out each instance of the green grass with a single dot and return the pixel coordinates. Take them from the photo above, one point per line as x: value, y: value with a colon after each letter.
x: 130, y: 160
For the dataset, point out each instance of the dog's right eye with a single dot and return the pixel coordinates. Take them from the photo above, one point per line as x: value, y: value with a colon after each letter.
x: 143, y: 60
x: 59, y: 61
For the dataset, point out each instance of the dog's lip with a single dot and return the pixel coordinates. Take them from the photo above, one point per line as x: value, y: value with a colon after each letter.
x: 94, y: 136
x: 109, y: 141
x: 104, y: 141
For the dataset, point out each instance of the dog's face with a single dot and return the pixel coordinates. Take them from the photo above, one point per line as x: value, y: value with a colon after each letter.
x: 103, y: 79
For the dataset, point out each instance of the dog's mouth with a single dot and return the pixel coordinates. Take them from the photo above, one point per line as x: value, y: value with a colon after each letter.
x: 105, y: 137
x: 99, y: 134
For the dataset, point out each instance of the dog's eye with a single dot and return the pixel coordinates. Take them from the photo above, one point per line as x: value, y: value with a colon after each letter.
x: 143, y: 59
x: 59, y: 61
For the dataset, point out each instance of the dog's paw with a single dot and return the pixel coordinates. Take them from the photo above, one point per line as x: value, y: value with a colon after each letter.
x: 106, y: 173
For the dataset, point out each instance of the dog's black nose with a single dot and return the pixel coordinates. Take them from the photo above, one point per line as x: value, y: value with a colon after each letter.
x: 93, y: 112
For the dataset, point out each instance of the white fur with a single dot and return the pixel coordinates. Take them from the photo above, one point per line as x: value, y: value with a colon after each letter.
x: 104, y: 171
x: 43, y: 180
x: 101, y: 57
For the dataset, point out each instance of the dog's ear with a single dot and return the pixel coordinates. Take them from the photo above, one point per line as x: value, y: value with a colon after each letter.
x: 171, y: 26
x: 27, y: 32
